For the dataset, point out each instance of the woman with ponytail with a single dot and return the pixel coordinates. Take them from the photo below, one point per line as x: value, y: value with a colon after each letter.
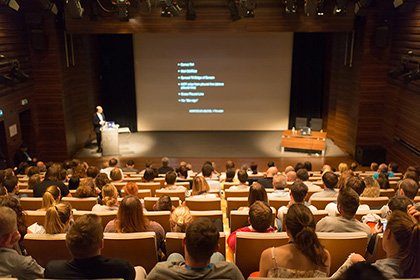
x: 57, y: 220
x: 51, y: 197
x: 401, y: 243
x: 109, y: 199
x: 180, y: 218
x: 304, y: 256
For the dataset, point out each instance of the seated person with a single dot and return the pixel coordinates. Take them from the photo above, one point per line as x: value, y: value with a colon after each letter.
x: 130, y: 167
x: 170, y: 179
x: 229, y: 175
x: 12, y: 263
x: 11, y: 185
x: 304, y: 256
x: 87, y: 188
x: 256, y: 192
x: 298, y: 191
x: 84, y: 241
x: 401, y: 243
x: 164, y: 203
x: 329, y: 180
x: 116, y: 175
x: 51, y: 197
x: 279, y: 184
x: 260, y: 218
x: 243, y: 178
x: 406, y: 187
x: 58, y: 218
x: 74, y: 183
x: 201, y: 188
x: 131, y: 188
x: 180, y: 219
x: 52, y: 177
x: 202, y: 261
x: 372, y: 188
x: 267, y: 181
x: 109, y: 199
x: 207, y: 171
x: 347, y: 203
x: 303, y: 175
x: 383, y: 168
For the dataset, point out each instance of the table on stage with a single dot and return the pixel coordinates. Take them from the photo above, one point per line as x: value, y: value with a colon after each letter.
x: 316, y: 141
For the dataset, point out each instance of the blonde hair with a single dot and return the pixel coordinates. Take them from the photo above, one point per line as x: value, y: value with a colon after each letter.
x: 86, y: 188
x: 200, y: 186
x: 51, y: 196
x: 180, y: 218
x: 343, y: 167
x: 110, y: 195
x: 57, y: 218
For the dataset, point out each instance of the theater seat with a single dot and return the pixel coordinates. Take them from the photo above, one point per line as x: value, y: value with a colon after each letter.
x: 174, y: 243
x: 321, y: 202
x: 46, y: 247
x: 150, y: 201
x: 34, y: 216
x: 374, y: 202
x: 250, y: 245
x: 171, y: 193
x: 234, y: 193
x: 160, y: 217
x: 106, y: 216
x: 31, y: 203
x: 140, y: 194
x: 203, y: 204
x: 138, y: 248
x: 387, y: 192
x: 26, y: 192
x: 342, y: 244
x: 234, y: 203
x: 278, y: 202
x: 81, y: 203
x: 239, y: 219
x: 150, y: 186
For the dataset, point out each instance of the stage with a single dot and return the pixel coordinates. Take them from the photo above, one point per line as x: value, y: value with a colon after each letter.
x: 206, y: 144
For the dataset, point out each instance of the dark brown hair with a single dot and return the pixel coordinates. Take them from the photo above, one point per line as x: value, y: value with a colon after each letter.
x: 201, y: 239
x: 257, y: 192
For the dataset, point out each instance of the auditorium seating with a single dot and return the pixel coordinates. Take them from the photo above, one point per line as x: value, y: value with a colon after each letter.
x: 138, y: 248
x: 31, y: 203
x: 161, y: 217
x: 239, y: 219
x: 342, y: 244
x: 26, y: 192
x: 184, y: 184
x: 150, y: 201
x: 234, y: 193
x: 172, y: 193
x: 174, y: 243
x: 81, y: 203
x: 374, y: 202
x: 203, y: 204
x: 250, y: 245
x: 106, y: 216
x: 34, y: 216
x: 388, y: 193
x: 150, y: 186
x: 310, y: 193
x: 46, y: 247
x: 361, y: 213
x: 234, y: 203
x: 321, y: 202
x: 278, y: 202
x: 161, y: 181
x: 140, y: 194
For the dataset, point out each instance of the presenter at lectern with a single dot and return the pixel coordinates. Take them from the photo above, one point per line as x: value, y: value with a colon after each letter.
x: 98, y: 122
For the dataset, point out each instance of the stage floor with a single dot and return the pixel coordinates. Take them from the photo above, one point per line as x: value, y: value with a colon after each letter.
x: 202, y: 144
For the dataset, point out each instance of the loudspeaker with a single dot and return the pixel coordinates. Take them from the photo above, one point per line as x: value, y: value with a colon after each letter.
x: 365, y: 155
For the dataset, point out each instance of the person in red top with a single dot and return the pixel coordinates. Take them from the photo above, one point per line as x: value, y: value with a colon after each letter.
x: 260, y: 218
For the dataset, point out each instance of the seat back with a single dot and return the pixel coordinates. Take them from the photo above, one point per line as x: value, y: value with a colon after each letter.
x: 212, y: 215
x: 278, y: 202
x: 203, y: 204
x: 174, y: 243
x: 140, y: 194
x: 106, y: 216
x: 34, y: 216
x: 46, y: 247
x: 31, y: 203
x: 321, y: 202
x: 316, y: 124
x: 342, y: 244
x: 361, y: 213
x: 150, y: 201
x: 160, y: 217
x: 26, y: 192
x: 310, y: 193
x: 250, y: 245
x: 239, y: 219
x: 171, y: 193
x: 374, y: 202
x: 151, y: 186
x: 301, y: 123
x: 234, y: 203
x: 81, y: 203
x: 234, y: 193
x: 159, y: 180
x: 387, y: 192
x: 139, y: 248
x: 119, y: 185
x: 184, y: 184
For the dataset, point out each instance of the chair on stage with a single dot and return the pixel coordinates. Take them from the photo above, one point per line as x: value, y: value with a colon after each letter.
x: 250, y: 245
x: 46, y: 247
x: 301, y: 122
x: 174, y: 243
x: 150, y: 201
x: 139, y: 248
x: 86, y: 203
x: 203, y: 204
x: 160, y: 217
x: 315, y: 124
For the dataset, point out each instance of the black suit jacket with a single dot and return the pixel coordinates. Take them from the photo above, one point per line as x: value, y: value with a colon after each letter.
x: 96, y: 122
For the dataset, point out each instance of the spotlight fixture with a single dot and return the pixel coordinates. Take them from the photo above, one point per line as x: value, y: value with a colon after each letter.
x: 11, y: 4
x: 314, y: 7
x: 340, y: 7
x: 169, y: 8
x: 49, y: 6
x: 247, y: 7
x: 291, y: 6
x: 122, y: 9
x: 75, y: 8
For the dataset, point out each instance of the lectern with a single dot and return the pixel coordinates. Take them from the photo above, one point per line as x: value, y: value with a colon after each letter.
x: 110, y: 143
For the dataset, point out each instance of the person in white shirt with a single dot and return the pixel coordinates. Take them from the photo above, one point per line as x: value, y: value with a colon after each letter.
x: 303, y: 175
x: 112, y: 163
x: 279, y: 184
x: 243, y: 178
x: 109, y: 199
x: 207, y: 171
x: 170, y: 179
x: 330, y: 180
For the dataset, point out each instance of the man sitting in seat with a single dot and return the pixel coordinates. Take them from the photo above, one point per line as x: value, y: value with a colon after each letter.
x: 243, y: 178
x: 329, y: 180
x: 347, y: 203
x: 202, y: 261
x: 303, y: 175
x: 407, y: 188
x: 279, y: 184
x: 170, y: 179
x: 13, y: 264
x: 85, y: 242
x: 260, y: 217
x: 267, y: 181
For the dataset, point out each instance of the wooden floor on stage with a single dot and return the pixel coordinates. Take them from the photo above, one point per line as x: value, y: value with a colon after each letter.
x: 195, y: 147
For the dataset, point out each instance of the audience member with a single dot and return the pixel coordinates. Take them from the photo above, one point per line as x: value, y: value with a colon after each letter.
x: 254, y: 168
x: 14, y: 204
x: 180, y: 219
x: 51, y: 197
x: 401, y: 243
x: 149, y: 175
x: 347, y: 203
x: 372, y: 188
x: 329, y: 180
x: 131, y: 188
x: 267, y: 181
x: 374, y: 166
x: 115, y: 175
x: 87, y: 189
x: 243, y: 178
x: 170, y: 179
x: 92, y: 172
x: 291, y: 176
x: 201, y: 261
x: 230, y: 175
x: 393, y: 166
x: 383, y: 168
x: 130, y: 167
x: 164, y: 203
x: 344, y: 177
x: 109, y: 199
x: 112, y: 163
x: 362, y: 271
x: 11, y: 185
x: 288, y: 169
x: 165, y: 166
x: 101, y: 180
x: 304, y: 256
x: 279, y: 184
x: 260, y: 218
x: 353, y: 166
x: 201, y: 188
x: 57, y: 220
x: 207, y: 171
x: 303, y: 175
x: 13, y: 264
x: 84, y: 241
x: 74, y: 183
x: 33, y: 180
x: 51, y: 178
x: 343, y: 167
x: 256, y: 193
x: 406, y: 188
x: 383, y: 181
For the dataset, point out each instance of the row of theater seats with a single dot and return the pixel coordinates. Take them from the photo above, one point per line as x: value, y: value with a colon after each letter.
x: 140, y: 248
